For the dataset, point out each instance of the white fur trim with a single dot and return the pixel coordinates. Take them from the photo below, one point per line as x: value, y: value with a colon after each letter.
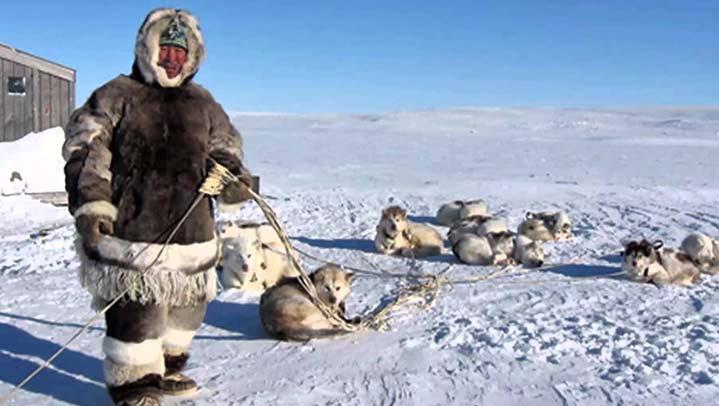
x: 120, y: 374
x: 175, y: 257
x: 176, y: 341
x: 147, y: 47
x: 99, y: 208
x: 121, y: 352
x: 170, y: 282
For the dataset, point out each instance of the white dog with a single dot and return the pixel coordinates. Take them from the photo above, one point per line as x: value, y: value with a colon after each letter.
x: 547, y: 226
x: 398, y: 236
x: 704, y: 251
x: 477, y: 225
x: 253, y: 257
x: 498, y: 249
x: 652, y: 263
x: 454, y: 211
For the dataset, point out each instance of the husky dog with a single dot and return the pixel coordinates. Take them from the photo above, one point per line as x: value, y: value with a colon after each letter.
x: 252, y: 257
x: 398, y: 236
x: 547, y: 226
x: 503, y: 248
x: 474, y: 208
x: 477, y: 225
x: 454, y: 211
x: 704, y: 251
x: 652, y: 263
x: 288, y: 313
x: 527, y: 252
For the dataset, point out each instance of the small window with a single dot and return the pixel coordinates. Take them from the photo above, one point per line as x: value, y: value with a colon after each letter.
x: 16, y: 86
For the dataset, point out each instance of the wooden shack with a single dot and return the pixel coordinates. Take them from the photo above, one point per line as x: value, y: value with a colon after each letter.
x: 36, y: 94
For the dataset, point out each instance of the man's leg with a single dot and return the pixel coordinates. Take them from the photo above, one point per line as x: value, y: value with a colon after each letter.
x: 182, y: 324
x: 134, y: 364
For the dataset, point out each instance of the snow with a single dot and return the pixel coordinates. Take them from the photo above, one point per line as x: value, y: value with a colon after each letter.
x: 536, y: 337
x: 37, y: 159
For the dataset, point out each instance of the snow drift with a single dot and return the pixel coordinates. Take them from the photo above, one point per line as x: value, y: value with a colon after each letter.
x: 33, y: 164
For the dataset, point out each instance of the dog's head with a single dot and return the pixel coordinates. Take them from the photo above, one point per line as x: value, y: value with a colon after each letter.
x: 332, y: 284
x: 638, y: 257
x: 534, y: 228
x: 529, y: 253
x: 394, y: 221
x: 243, y: 256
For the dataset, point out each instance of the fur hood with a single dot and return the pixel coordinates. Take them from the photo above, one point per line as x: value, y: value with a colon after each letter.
x: 147, y: 47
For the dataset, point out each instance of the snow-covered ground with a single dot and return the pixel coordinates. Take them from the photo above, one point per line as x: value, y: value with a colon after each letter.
x: 537, y: 338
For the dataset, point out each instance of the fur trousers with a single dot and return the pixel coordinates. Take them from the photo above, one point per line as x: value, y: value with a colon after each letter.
x: 146, y: 342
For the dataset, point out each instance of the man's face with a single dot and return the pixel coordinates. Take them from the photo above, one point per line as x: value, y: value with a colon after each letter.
x: 172, y: 59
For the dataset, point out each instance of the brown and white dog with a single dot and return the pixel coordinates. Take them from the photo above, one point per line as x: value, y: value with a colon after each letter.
x: 652, y: 263
x: 396, y: 235
x: 288, y: 313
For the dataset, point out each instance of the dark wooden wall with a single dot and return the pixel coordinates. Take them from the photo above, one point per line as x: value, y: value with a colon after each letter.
x: 48, y: 101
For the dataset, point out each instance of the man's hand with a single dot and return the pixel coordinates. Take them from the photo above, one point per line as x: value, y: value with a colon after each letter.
x: 234, y: 193
x: 90, y: 227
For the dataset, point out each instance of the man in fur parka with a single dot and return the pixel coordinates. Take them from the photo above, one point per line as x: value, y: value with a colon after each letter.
x: 136, y: 153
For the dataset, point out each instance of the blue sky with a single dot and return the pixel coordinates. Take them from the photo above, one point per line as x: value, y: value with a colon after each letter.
x: 372, y: 56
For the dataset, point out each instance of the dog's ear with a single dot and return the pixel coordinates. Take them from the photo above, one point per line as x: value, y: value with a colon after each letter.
x: 349, y: 276
x: 529, y: 215
x: 658, y: 244
x: 403, y: 213
x: 629, y: 245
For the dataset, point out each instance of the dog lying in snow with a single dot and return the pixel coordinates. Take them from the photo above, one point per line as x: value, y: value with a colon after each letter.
x: 704, y: 251
x: 398, y: 236
x: 546, y: 226
x: 454, y: 211
x: 652, y: 263
x: 504, y: 248
x: 288, y: 313
x: 252, y: 257
x: 477, y: 225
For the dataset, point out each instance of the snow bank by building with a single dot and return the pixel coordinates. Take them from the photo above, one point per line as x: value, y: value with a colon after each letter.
x: 33, y: 164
